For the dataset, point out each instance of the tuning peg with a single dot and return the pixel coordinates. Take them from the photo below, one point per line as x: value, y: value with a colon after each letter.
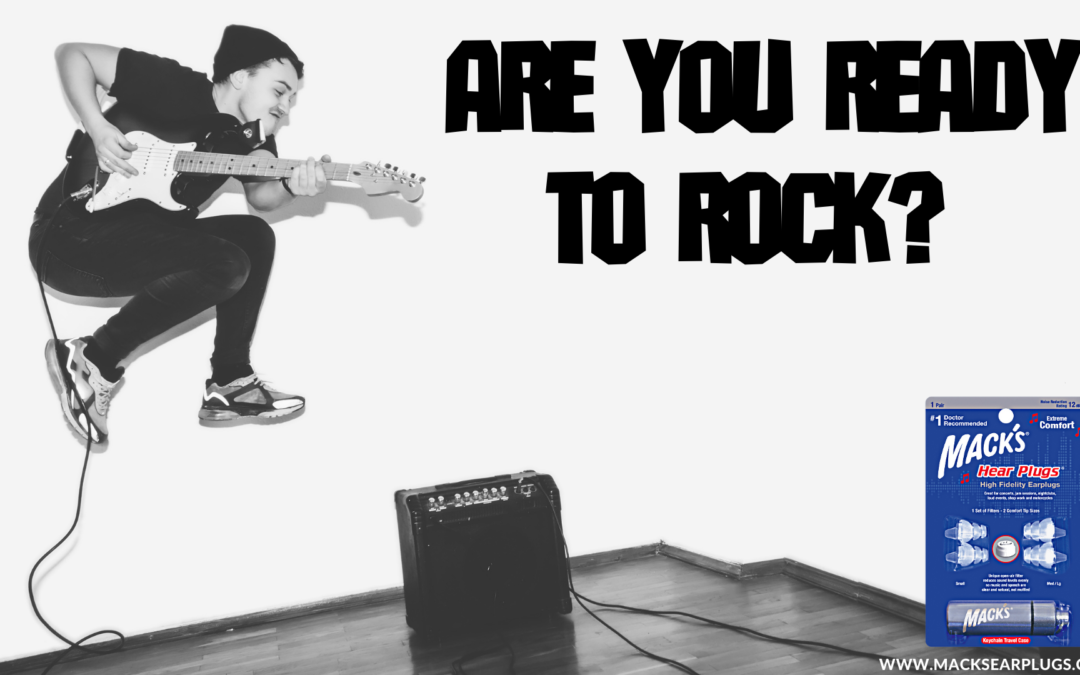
x: 387, y: 166
x: 394, y: 169
x: 412, y: 175
x: 422, y: 179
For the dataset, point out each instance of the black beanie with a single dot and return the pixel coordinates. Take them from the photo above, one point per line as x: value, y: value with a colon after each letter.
x: 244, y: 46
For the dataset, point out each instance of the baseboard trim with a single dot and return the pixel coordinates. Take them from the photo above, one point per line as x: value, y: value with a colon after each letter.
x: 618, y: 555
x: 875, y: 597
x: 907, y: 609
x: 739, y: 571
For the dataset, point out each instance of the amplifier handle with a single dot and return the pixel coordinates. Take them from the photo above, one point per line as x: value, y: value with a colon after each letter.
x: 475, y: 481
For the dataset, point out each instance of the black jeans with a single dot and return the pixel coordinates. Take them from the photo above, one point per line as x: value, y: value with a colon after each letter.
x: 174, y: 265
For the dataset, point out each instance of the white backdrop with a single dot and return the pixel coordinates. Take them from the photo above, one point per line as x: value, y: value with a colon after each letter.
x: 742, y: 412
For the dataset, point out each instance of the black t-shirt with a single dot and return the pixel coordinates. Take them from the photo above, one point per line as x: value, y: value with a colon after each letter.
x: 154, y: 88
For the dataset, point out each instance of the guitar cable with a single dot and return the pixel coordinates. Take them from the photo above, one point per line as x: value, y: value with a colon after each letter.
x: 718, y: 624
x: 458, y: 667
x: 70, y: 387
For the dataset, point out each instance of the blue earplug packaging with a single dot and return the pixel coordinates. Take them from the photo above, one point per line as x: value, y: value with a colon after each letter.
x: 1001, y: 491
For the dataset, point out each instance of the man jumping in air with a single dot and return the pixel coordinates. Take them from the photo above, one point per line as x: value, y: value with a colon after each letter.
x: 173, y: 264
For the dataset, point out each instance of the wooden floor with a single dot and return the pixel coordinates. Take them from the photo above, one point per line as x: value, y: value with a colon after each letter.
x: 374, y: 639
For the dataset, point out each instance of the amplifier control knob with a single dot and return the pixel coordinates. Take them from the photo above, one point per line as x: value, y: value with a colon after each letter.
x: 457, y: 499
x: 431, y: 504
x: 502, y: 493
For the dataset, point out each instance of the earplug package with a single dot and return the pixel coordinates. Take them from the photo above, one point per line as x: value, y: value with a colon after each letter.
x: 1001, y: 490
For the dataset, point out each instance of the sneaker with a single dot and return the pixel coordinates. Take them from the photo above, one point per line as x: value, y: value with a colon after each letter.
x: 86, y: 384
x: 247, y: 399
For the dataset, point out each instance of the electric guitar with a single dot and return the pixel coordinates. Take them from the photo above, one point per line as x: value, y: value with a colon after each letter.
x: 177, y: 172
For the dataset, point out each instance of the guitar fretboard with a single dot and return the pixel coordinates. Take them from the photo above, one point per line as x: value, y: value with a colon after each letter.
x: 245, y: 165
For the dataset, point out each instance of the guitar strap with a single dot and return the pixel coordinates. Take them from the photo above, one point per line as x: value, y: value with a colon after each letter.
x: 252, y: 134
x: 69, y: 154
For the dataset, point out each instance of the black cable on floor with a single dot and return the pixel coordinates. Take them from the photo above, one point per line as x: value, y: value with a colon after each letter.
x: 711, y: 622
x: 82, y: 479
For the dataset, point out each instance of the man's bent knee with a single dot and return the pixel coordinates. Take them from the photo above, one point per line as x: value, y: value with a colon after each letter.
x: 227, y: 275
x: 256, y: 237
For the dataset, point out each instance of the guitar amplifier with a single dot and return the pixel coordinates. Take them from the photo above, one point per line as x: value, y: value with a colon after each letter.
x: 481, y: 552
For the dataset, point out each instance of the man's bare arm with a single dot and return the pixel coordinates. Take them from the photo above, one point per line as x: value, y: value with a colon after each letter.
x: 82, y: 67
x: 307, y: 180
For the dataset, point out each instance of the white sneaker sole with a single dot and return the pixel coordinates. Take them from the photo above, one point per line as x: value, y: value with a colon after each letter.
x: 56, y: 372
x: 231, y: 418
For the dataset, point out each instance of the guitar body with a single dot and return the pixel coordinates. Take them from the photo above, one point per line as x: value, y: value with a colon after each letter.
x: 157, y: 182
x: 154, y: 183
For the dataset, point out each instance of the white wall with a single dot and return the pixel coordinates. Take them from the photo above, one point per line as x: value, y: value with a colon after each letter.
x: 745, y: 413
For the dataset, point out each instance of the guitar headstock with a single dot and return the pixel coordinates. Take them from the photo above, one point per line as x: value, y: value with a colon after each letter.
x: 382, y: 178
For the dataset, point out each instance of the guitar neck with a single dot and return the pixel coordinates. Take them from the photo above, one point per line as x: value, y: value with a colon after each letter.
x: 246, y: 165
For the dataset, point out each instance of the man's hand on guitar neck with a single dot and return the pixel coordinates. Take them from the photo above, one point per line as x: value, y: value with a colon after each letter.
x: 112, y: 148
x: 308, y: 179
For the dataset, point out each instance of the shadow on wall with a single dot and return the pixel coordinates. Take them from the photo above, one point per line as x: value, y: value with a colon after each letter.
x: 378, y: 208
